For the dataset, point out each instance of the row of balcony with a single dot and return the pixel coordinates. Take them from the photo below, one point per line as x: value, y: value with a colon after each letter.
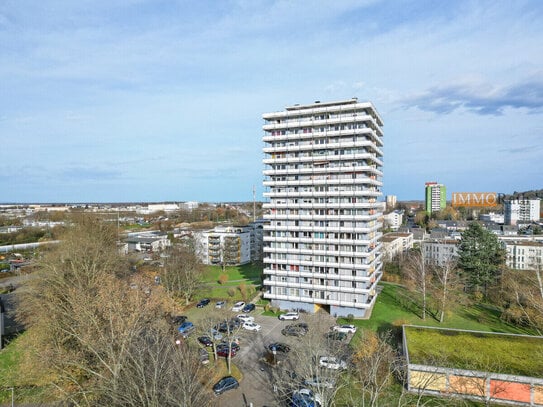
x: 310, y: 146
x: 320, y: 158
x: 326, y: 168
x: 311, y: 123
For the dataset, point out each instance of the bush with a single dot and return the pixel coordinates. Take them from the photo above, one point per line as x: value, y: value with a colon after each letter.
x: 242, y: 287
x: 231, y: 292
x: 223, y: 279
x: 349, y: 318
x: 275, y: 310
x: 267, y: 307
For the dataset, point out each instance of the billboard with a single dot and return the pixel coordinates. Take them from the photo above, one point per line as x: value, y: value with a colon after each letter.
x: 475, y: 199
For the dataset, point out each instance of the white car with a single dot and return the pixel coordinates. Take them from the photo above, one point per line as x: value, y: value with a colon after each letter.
x: 289, y: 316
x: 331, y: 362
x: 348, y: 329
x: 251, y: 326
x: 245, y: 318
x: 220, y: 304
x: 238, y: 306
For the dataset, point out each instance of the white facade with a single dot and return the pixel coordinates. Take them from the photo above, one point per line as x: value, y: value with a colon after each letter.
x: 393, y: 220
x: 323, y: 165
x: 394, y: 244
x: 440, y: 251
x: 525, y: 210
x: 228, y: 245
x: 523, y: 254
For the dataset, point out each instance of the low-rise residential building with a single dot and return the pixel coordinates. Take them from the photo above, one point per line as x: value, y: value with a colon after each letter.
x: 395, y: 243
x: 439, y: 251
x: 227, y: 245
x: 524, y: 254
x: 152, y: 241
x: 393, y: 220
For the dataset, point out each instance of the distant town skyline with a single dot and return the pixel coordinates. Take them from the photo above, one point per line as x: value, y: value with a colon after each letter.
x: 145, y: 101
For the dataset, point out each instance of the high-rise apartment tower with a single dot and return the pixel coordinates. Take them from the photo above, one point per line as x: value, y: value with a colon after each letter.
x: 323, y: 175
x: 436, y: 197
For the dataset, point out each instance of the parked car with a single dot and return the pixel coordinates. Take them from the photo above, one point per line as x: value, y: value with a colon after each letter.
x: 251, y: 326
x: 245, y: 318
x: 279, y: 347
x: 216, y: 335
x: 203, y: 302
x: 233, y: 345
x: 186, y: 328
x: 220, y: 304
x: 226, y: 383
x: 205, y: 340
x: 305, y: 398
x: 289, y: 316
x: 336, y: 336
x: 238, y: 306
x: 248, y: 308
x: 223, y: 351
x: 331, y: 362
x: 293, y: 330
x: 320, y: 382
x: 179, y: 319
x: 348, y: 329
x: 204, y: 356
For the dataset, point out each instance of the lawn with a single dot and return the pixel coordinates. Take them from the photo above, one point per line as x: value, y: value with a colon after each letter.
x: 247, y: 272
x: 500, y: 353
x: 393, y: 309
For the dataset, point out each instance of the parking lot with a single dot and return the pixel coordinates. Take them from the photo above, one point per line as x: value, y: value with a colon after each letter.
x: 256, y: 387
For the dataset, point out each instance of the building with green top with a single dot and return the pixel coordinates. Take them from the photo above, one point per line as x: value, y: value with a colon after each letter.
x: 436, y: 197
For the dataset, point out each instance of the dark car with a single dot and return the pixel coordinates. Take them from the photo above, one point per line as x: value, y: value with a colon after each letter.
x: 226, y: 383
x: 248, y: 308
x: 223, y: 351
x: 233, y: 345
x: 205, y: 340
x: 295, y: 329
x: 203, y: 302
x: 179, y: 319
x: 204, y: 356
x: 279, y: 347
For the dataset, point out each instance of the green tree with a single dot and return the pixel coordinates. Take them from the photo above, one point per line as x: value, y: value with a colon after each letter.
x: 481, y: 257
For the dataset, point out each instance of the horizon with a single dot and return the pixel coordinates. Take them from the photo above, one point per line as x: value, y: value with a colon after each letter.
x: 147, y: 102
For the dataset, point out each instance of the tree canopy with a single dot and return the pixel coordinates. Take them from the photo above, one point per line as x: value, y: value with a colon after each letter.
x: 481, y: 257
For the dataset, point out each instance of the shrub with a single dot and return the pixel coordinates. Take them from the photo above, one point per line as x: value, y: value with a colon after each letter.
x: 223, y: 279
x: 267, y: 307
x: 231, y: 292
x: 349, y: 318
x: 242, y: 287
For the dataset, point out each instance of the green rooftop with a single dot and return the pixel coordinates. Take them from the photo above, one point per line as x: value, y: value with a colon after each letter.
x: 482, y: 351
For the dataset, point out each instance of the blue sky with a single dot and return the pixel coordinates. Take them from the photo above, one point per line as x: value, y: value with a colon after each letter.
x: 161, y: 100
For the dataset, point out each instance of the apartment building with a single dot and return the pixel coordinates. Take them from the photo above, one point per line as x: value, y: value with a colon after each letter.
x: 396, y: 243
x: 227, y: 245
x: 436, y: 197
x: 521, y: 210
x: 440, y: 251
x: 323, y: 171
x: 393, y: 220
x: 524, y: 254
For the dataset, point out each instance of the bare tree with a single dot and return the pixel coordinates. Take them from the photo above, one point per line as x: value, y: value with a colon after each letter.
x: 376, y: 365
x: 182, y: 273
x: 90, y: 329
x: 418, y: 277
x: 446, y: 281
x: 303, y: 366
